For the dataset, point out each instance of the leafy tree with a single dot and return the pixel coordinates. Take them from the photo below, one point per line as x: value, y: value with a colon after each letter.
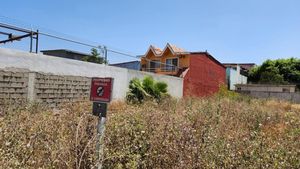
x: 280, y: 71
x: 146, y: 89
x: 95, y: 57
x: 271, y: 78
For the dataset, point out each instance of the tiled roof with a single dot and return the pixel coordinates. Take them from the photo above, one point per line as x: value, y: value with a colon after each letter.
x: 176, y: 49
x: 158, y: 52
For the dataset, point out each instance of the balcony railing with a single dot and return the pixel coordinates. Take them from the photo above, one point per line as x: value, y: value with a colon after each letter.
x: 164, y: 70
x: 169, y: 69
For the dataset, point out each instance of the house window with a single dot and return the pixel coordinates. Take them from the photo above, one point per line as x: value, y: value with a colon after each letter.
x: 171, y: 64
x: 154, y: 64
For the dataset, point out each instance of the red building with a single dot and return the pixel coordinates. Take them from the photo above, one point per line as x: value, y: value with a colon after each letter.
x: 204, y: 76
x: 202, y: 73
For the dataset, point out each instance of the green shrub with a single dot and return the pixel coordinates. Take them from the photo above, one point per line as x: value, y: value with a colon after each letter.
x: 224, y: 92
x: 279, y: 71
x: 146, y: 89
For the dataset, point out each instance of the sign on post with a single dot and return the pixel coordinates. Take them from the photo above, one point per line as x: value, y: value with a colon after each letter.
x: 99, y: 109
x: 101, y: 89
x: 100, y: 94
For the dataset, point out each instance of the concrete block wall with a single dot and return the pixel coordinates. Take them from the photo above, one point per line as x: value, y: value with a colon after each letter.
x: 293, y: 97
x: 53, y: 89
x: 72, y: 77
x: 13, y: 85
x: 44, y: 88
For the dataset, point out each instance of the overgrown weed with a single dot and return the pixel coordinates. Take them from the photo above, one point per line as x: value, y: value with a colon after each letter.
x: 217, y: 132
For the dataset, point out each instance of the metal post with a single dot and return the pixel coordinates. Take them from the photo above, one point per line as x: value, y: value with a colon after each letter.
x: 100, y: 136
x: 100, y: 94
x: 37, y: 42
x: 31, y: 37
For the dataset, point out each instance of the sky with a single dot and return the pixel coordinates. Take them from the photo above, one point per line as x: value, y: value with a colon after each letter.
x: 238, y: 31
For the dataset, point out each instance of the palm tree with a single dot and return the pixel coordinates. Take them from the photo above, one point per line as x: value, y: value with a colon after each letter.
x: 147, y: 88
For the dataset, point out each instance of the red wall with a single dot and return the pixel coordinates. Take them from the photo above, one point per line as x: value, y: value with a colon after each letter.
x: 204, y: 76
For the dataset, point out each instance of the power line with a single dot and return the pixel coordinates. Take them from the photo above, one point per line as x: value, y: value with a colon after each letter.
x: 85, y: 44
x: 16, y: 22
x: 121, y: 53
x: 31, y: 27
x: 69, y: 40
x: 101, y: 47
x: 88, y: 45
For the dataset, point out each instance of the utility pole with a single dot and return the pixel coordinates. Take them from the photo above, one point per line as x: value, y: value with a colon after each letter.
x: 31, y: 38
x: 37, y: 42
x: 105, y: 55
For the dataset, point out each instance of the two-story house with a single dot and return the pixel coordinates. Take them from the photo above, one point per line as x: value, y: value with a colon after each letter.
x: 169, y: 61
x: 202, y: 73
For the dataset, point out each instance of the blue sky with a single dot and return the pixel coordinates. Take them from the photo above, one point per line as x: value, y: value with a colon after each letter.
x: 231, y: 30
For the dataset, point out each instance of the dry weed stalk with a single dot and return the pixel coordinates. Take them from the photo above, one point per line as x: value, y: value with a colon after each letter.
x: 217, y: 132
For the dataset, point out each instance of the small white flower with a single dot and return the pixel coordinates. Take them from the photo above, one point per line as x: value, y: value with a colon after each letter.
x: 7, y: 143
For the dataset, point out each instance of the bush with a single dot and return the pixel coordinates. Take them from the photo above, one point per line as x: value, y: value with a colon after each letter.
x: 279, y: 71
x: 146, y: 89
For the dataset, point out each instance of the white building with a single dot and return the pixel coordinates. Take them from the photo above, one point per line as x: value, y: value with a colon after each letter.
x: 234, y: 76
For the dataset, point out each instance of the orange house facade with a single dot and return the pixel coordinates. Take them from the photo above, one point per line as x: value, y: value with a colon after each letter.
x: 202, y: 74
x: 169, y: 61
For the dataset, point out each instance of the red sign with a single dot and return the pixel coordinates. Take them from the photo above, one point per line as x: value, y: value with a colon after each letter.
x: 101, y: 89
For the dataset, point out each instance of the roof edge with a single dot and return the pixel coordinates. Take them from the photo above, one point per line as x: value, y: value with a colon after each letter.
x: 125, y: 62
x: 210, y: 56
x: 168, y: 46
x: 67, y: 50
x: 239, y: 63
x: 278, y: 85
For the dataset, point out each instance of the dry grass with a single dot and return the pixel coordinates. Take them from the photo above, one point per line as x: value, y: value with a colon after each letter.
x: 218, y: 132
x: 34, y: 136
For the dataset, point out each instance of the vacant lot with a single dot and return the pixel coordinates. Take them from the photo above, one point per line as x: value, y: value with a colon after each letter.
x: 217, y: 132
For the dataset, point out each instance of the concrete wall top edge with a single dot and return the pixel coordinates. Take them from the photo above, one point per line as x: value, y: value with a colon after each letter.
x: 11, y: 59
x: 16, y: 59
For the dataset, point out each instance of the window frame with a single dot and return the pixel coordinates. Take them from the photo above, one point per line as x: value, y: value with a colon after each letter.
x: 171, y: 68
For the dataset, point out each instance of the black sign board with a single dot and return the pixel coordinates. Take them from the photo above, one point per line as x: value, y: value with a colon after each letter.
x: 99, y: 109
